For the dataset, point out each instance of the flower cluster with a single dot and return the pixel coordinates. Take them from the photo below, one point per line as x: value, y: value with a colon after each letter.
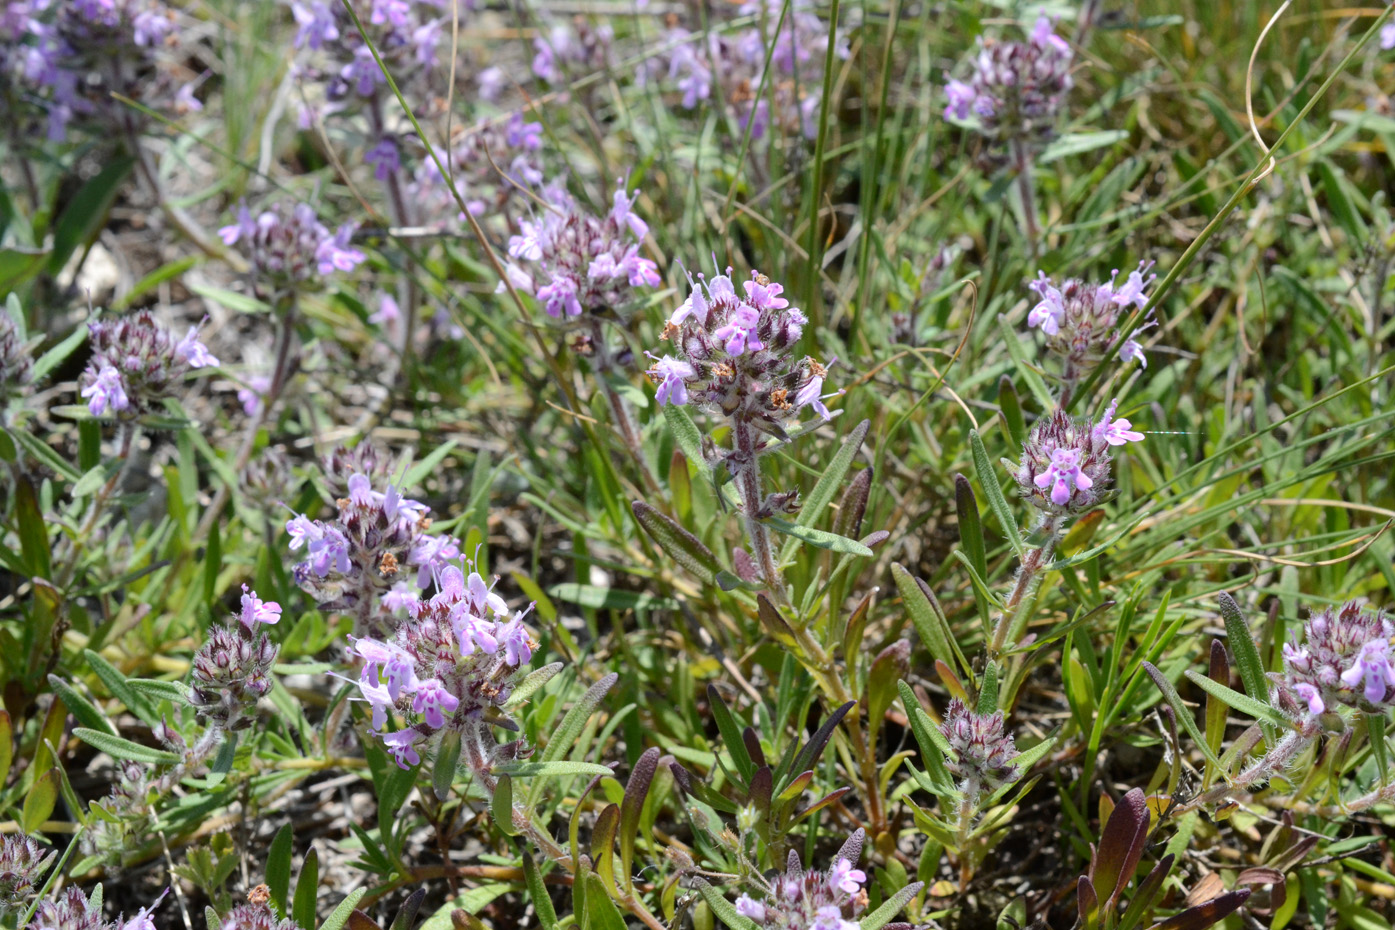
x: 578, y: 262
x: 16, y: 357
x: 233, y: 669
x: 1016, y: 89
x: 373, y: 558
x: 72, y: 910
x: 23, y: 863
x: 135, y: 363
x: 1065, y: 461
x: 511, y: 144
x: 800, y: 900
x: 406, y: 34
x: 735, y: 61
x: 983, y: 753
x: 734, y: 354
x: 1081, y: 320
x: 289, y: 245
x: 256, y: 914
x: 80, y: 54
x: 1345, y: 660
x: 571, y: 50
x: 454, y: 658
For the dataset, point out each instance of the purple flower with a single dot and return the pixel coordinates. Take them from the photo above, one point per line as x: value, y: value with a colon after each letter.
x: 235, y: 231
x: 622, y: 213
x: 738, y: 334
x: 518, y: 648
x: 255, y: 610
x: 559, y: 297
x: 1132, y: 290
x: 1115, y: 432
x: 399, y: 746
x: 846, y: 878
x: 142, y: 920
x: 434, y: 702
x: 193, y: 352
x: 672, y: 373
x: 1310, y: 694
x: 386, y: 658
x: 336, y: 254
x: 384, y: 158
x: 317, y: 25
x: 1063, y: 473
x: 1373, y: 667
x: 106, y: 390
x: 524, y: 135
x: 1132, y: 351
x: 747, y: 906
x: 400, y: 598
x: 363, y: 72
x: 961, y: 97
x: 1050, y: 313
x: 811, y: 394
x: 1387, y: 36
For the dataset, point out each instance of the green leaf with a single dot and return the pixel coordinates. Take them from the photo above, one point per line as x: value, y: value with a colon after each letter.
x: 830, y: 482
x: 1241, y: 702
x: 418, y: 472
x: 18, y: 265
x: 340, y: 915
x: 608, y: 598
x: 927, y: 619
x: 679, y: 544
x: 685, y: 433
x: 278, y: 869
x: 994, y: 491
x: 39, y: 802
x: 882, y: 915
x: 80, y: 707
x: 537, y: 893
x: 7, y: 749
x: 501, y: 806
x: 120, y: 748
x: 165, y: 272
x: 549, y: 769
x: 238, y: 303
x: 1078, y: 143
x: 92, y: 481
x: 723, y: 908
x: 730, y: 728
x: 819, y: 538
x: 307, y: 888
x: 33, y: 531
x: 444, y: 767
x: 601, y: 913
x: 971, y: 539
x: 1247, y: 660
x: 1183, y: 713
x: 87, y: 212
x: 933, y: 746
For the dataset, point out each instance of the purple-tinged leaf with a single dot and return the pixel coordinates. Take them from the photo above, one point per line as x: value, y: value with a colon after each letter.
x: 819, y: 741
x: 773, y: 621
x: 632, y: 806
x: 1147, y: 890
x: 1206, y: 915
x: 822, y: 802
x: 1087, y: 902
x: 1121, y: 845
x: 679, y: 544
x: 853, y: 505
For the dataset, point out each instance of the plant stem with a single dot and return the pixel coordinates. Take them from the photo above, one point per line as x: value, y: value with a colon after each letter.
x: 620, y: 409
x: 748, y: 483
x: 1023, y: 164
x: 1027, y: 576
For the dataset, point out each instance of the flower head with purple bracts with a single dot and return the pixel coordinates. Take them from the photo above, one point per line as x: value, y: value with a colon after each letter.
x: 1345, y: 660
x: 576, y: 263
x: 800, y: 900
x: 1066, y: 462
x: 513, y: 145
x: 377, y: 541
x: 1081, y: 321
x: 735, y: 61
x: 733, y: 352
x: 78, y: 56
x: 23, y: 863
x: 1015, y: 90
x: 289, y: 245
x: 233, y: 669
x: 135, y: 364
x: 455, y: 657
x: 983, y: 753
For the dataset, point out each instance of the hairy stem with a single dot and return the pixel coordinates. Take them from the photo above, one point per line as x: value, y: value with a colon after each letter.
x: 1027, y: 577
x: 748, y: 484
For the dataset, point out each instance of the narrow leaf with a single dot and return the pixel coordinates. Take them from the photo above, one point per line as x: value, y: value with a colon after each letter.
x: 996, y: 502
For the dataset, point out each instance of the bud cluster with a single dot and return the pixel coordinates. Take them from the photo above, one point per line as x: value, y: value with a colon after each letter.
x: 362, y: 561
x: 736, y: 60
x: 1016, y: 89
x: 23, y: 863
x: 579, y: 262
x: 1081, y: 320
x: 454, y: 658
x: 290, y: 245
x: 1345, y: 660
x: 800, y: 900
x: 983, y: 753
x: 734, y: 354
x: 135, y: 363
x: 81, y: 53
x: 233, y: 669
x: 1065, y: 461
